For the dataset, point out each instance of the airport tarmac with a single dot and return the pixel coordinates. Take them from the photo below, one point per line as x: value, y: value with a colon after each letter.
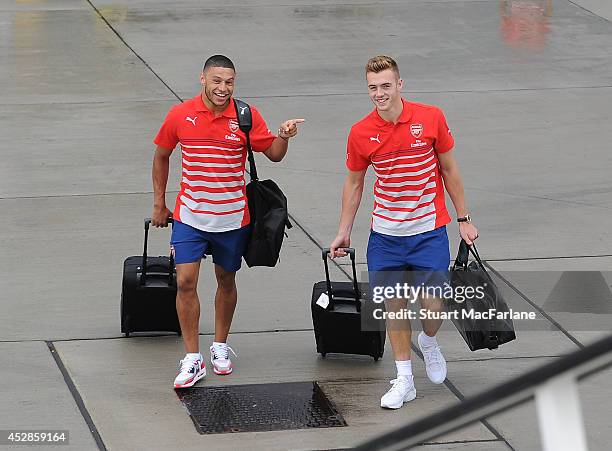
x: 526, y: 86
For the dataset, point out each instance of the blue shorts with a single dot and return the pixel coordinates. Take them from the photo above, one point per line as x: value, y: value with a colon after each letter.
x: 191, y: 244
x: 416, y: 259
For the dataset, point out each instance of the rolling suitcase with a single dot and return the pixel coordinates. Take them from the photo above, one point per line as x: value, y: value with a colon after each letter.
x: 148, y: 294
x: 338, y: 322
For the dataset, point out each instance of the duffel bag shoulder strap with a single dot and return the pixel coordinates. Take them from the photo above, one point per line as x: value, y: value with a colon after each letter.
x: 245, y: 122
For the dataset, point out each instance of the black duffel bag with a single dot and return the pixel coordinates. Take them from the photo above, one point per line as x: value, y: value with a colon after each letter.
x: 267, y: 205
x: 478, y: 333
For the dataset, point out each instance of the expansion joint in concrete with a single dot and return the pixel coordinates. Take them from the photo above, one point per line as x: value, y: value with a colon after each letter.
x: 76, y: 396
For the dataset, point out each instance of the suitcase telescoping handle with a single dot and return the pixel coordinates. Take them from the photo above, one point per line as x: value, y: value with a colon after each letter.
x: 351, y: 253
x: 143, y: 278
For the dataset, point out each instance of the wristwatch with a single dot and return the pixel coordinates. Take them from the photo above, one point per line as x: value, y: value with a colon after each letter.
x: 467, y: 218
x: 279, y: 134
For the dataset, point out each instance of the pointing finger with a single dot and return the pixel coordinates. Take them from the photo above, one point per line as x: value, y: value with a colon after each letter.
x: 294, y: 121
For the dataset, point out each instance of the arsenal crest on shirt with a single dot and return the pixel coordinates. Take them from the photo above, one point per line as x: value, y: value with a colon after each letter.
x: 233, y: 126
x: 416, y: 130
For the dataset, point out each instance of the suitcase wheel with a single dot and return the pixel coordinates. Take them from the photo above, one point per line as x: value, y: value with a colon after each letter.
x: 323, y: 354
x: 376, y: 359
x: 125, y: 325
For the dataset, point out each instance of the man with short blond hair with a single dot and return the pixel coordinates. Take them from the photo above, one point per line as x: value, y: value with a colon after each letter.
x: 409, y: 146
x: 211, y: 215
x: 381, y: 63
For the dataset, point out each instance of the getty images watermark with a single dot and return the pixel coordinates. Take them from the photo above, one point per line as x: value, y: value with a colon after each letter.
x: 444, y: 293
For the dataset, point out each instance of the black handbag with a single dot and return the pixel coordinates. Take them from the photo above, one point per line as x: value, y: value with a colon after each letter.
x: 478, y: 332
x: 267, y: 205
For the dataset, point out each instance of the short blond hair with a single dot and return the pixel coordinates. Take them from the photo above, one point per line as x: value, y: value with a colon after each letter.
x: 380, y: 63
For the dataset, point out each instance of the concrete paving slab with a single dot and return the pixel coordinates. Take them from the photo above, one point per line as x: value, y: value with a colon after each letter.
x: 92, y: 148
x: 68, y: 55
x: 263, y: 357
x: 543, y: 234
x: 520, y: 425
x: 588, y: 337
x: 554, y: 264
x: 579, y: 301
x: 358, y: 401
x: 485, y: 446
x: 529, y: 343
x: 139, y: 383
x: 595, y: 401
x: 601, y: 8
x: 42, y: 5
x: 38, y: 398
x: 64, y: 257
x: 567, y: 44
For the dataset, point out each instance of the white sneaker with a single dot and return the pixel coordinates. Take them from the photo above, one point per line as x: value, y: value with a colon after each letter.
x: 402, y: 391
x: 435, y: 364
x: 219, y: 357
x: 190, y: 371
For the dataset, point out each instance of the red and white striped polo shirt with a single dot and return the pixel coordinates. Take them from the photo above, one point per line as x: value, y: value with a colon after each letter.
x: 409, y: 192
x: 213, y: 192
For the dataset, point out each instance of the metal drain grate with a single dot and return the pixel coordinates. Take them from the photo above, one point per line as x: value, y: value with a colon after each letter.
x: 260, y: 407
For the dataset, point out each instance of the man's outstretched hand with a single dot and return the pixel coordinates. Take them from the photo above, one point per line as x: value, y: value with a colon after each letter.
x: 289, y: 129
